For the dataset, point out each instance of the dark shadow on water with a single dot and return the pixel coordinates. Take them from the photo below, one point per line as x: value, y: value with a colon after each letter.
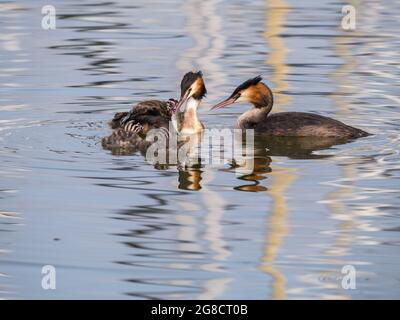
x: 298, y: 147
x: 291, y: 147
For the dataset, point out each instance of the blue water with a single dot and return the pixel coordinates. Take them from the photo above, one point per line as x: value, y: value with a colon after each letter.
x: 116, y: 227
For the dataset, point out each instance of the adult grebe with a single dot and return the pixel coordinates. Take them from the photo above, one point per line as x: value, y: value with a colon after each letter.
x: 290, y: 124
x: 193, y: 91
x: 132, y: 127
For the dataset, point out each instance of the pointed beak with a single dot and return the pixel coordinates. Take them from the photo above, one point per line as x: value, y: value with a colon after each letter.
x: 183, y: 100
x: 224, y: 103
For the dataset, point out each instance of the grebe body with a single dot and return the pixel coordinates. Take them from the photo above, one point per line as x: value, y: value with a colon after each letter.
x: 289, y: 124
x: 131, y: 128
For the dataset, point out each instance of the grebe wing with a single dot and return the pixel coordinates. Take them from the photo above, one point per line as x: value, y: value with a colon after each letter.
x: 146, y: 112
x: 306, y: 124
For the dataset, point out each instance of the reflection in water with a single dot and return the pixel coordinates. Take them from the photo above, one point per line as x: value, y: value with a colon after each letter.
x: 277, y: 225
x: 256, y: 165
x: 154, y: 248
x: 215, y: 208
x: 276, y: 12
x: 261, y: 164
x: 277, y: 228
x: 128, y: 230
x: 190, y: 178
x: 299, y: 147
x: 344, y: 235
x: 204, y: 26
x: 334, y: 200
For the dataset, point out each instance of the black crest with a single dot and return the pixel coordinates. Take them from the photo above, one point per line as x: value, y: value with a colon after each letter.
x: 246, y: 84
x: 188, y: 79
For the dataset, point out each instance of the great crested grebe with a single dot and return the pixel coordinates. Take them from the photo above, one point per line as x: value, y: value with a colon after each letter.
x: 193, y: 91
x: 131, y: 127
x: 289, y: 124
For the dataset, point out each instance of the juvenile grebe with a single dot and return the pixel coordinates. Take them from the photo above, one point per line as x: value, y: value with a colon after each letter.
x: 290, y: 124
x: 131, y: 127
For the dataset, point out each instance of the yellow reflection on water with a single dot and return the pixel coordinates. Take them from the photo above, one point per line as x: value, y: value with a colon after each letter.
x: 276, y: 12
x: 278, y: 227
x: 342, y: 75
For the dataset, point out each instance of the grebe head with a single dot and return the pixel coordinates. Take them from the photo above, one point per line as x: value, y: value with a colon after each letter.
x: 252, y: 91
x: 192, y: 86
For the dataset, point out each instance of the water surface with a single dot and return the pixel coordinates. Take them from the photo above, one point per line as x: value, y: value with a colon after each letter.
x: 115, y: 227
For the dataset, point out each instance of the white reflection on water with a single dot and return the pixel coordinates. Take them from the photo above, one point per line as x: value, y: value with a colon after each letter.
x: 204, y: 26
x: 126, y: 229
x: 215, y: 204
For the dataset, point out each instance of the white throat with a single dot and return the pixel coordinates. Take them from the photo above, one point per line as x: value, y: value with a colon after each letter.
x: 191, y: 123
x: 192, y: 104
